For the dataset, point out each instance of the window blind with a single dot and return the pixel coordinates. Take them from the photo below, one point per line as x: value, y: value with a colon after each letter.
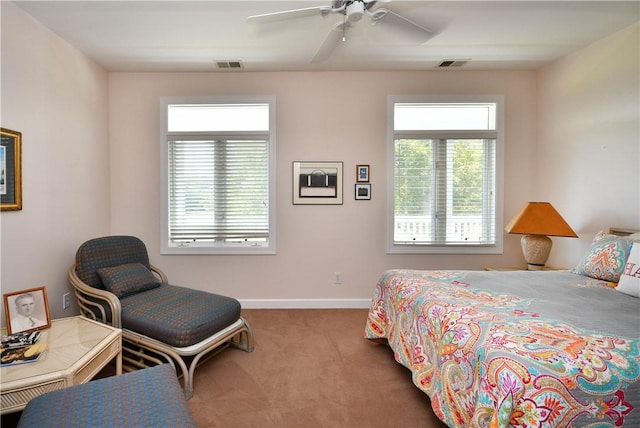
x: 219, y: 190
x: 444, y: 191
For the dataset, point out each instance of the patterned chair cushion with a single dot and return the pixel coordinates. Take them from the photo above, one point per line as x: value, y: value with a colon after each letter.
x: 106, y: 252
x: 127, y: 279
x: 178, y: 316
x: 144, y: 398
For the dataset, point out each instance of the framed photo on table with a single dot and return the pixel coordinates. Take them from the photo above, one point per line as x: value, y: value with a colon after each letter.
x: 317, y: 183
x: 27, y: 310
x: 10, y: 170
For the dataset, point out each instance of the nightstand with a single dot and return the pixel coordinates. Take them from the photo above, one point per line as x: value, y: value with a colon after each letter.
x: 77, y: 349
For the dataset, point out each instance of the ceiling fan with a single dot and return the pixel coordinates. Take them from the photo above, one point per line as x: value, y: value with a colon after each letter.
x: 352, y: 11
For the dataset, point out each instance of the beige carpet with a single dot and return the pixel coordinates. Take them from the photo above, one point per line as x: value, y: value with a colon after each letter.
x: 310, y: 368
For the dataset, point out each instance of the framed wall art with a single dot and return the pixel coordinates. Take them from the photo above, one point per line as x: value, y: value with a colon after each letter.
x: 363, y: 191
x: 10, y: 170
x: 27, y: 310
x: 317, y: 183
x: 362, y: 173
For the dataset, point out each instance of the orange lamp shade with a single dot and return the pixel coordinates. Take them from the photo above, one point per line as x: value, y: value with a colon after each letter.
x: 540, y: 218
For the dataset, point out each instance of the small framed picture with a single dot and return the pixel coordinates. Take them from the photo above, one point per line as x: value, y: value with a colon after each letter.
x: 363, y: 191
x: 27, y: 310
x: 362, y: 173
x: 10, y: 170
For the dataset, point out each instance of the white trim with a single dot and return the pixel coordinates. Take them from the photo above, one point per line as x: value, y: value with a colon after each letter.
x: 165, y: 246
x: 305, y: 303
x: 497, y: 248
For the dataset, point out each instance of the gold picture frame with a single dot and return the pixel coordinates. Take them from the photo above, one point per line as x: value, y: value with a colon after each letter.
x: 27, y: 310
x: 10, y: 170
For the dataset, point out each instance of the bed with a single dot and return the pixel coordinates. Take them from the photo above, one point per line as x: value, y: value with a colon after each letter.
x: 519, y: 348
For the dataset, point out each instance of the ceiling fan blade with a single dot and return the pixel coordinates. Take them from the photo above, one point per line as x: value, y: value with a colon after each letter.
x: 289, y: 14
x: 330, y: 42
x: 412, y: 31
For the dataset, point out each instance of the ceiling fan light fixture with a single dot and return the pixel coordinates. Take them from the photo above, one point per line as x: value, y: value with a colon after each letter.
x: 350, y: 12
x: 378, y: 15
x: 355, y: 11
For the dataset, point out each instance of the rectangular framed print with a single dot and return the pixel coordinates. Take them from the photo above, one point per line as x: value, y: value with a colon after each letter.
x: 10, y: 170
x: 317, y: 183
x: 363, y: 192
x: 362, y: 173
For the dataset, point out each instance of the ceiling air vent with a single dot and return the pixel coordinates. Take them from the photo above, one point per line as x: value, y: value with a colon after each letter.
x: 448, y: 63
x: 228, y: 65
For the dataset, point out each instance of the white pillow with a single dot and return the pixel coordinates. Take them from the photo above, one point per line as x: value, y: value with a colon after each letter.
x: 630, y: 278
x: 635, y: 237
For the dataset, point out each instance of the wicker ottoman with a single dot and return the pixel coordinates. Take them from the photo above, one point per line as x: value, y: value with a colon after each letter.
x: 150, y: 397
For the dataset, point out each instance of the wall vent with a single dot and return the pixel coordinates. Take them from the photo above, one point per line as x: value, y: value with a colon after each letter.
x: 447, y: 63
x: 228, y: 65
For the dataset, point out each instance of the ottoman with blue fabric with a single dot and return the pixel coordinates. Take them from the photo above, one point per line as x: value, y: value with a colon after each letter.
x: 149, y: 397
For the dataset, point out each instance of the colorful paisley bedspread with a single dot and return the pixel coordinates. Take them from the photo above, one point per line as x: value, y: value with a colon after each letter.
x: 485, y: 361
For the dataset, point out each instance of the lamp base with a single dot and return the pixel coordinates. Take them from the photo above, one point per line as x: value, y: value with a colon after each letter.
x: 536, y: 249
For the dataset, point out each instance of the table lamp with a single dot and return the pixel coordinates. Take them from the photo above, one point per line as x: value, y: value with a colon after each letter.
x: 537, y: 221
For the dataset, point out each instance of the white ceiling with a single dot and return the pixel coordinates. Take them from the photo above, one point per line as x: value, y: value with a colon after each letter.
x: 194, y: 35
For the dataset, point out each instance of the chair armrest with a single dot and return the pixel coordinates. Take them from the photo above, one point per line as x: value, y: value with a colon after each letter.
x: 161, y: 275
x: 91, y: 299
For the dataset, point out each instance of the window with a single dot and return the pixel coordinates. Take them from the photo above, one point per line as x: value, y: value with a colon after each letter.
x: 446, y: 174
x: 218, y: 176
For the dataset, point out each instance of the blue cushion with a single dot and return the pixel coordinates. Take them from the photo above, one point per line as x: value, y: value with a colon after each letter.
x: 127, y: 279
x: 108, y: 251
x: 144, y: 398
x: 178, y: 316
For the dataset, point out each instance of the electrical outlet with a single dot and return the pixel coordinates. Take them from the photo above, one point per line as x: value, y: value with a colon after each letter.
x: 337, y: 278
x: 66, y: 300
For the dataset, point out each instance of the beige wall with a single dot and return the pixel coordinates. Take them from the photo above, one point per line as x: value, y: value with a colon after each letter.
x: 58, y: 100
x: 589, y: 147
x: 320, y: 116
x: 91, y: 162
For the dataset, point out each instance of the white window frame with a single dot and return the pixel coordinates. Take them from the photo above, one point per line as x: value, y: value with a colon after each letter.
x: 408, y: 248
x: 166, y: 247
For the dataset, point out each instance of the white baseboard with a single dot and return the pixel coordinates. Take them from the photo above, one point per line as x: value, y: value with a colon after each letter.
x: 305, y: 303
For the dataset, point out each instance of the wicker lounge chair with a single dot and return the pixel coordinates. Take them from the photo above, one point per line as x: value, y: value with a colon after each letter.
x: 115, y: 284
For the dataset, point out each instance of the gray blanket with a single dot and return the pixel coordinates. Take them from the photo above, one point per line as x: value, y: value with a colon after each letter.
x: 575, y: 299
